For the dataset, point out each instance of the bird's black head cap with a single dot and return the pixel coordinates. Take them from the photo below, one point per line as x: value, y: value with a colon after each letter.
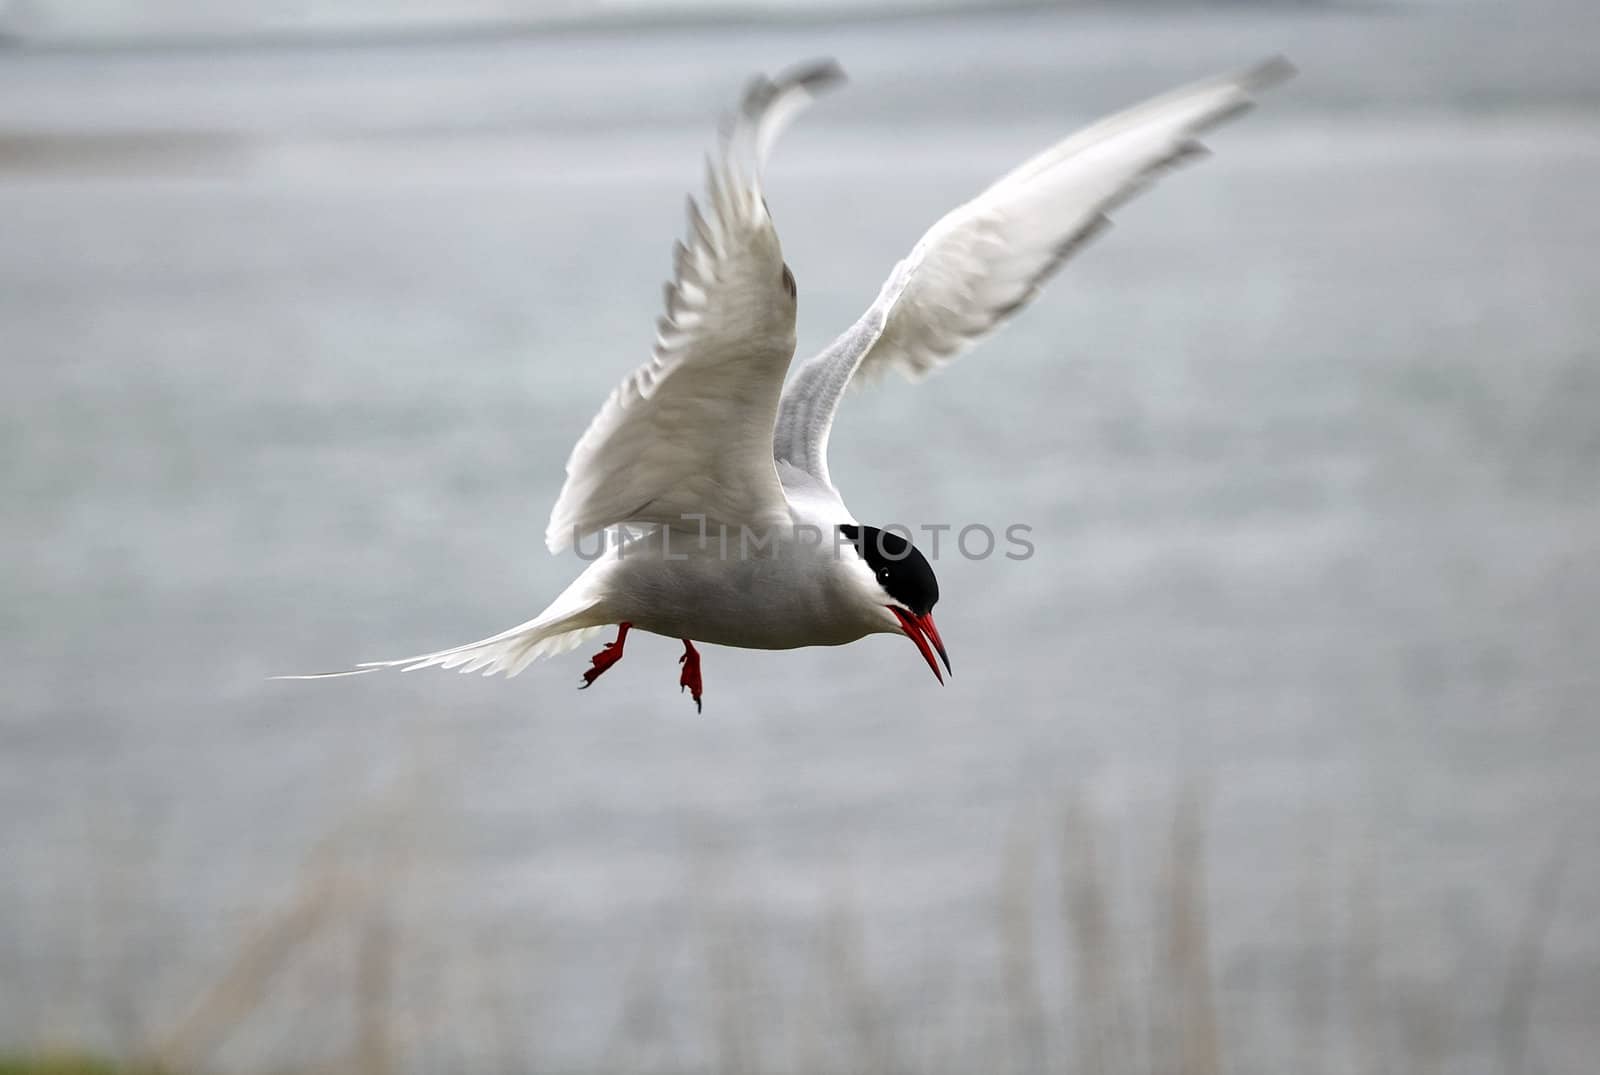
x: 902, y: 571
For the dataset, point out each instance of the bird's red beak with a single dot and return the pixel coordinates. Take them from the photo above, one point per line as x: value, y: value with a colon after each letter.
x: 920, y: 629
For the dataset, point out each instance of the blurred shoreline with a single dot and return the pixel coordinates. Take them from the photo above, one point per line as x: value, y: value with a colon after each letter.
x: 450, y: 26
x: 1082, y: 975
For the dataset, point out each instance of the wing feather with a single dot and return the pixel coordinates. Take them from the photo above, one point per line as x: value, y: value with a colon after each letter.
x: 690, y: 431
x: 985, y: 260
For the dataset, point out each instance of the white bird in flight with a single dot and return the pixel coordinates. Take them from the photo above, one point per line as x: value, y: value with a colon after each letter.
x: 711, y: 476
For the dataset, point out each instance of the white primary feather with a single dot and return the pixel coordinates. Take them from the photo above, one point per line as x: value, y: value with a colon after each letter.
x: 986, y: 259
x: 690, y: 431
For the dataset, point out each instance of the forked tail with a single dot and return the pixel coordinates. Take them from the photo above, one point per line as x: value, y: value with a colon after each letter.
x: 565, y: 624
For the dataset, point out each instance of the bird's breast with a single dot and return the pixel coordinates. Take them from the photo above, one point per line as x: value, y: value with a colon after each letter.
x: 781, y: 597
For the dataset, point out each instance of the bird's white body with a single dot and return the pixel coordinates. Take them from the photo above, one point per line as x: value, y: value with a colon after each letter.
x: 710, y: 472
x: 791, y: 586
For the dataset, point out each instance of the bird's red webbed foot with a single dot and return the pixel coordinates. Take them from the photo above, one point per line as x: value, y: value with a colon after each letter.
x: 608, y: 656
x: 690, y: 679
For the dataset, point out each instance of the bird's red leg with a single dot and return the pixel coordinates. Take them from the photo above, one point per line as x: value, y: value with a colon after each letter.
x: 610, y: 655
x: 691, y: 674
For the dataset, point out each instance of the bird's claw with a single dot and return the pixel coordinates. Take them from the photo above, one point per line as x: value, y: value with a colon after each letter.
x: 609, y: 655
x: 690, y: 679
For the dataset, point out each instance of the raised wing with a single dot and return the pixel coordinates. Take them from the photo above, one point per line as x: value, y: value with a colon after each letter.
x: 985, y: 260
x: 690, y: 431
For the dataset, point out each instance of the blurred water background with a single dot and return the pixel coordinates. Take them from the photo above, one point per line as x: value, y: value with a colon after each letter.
x: 297, y: 336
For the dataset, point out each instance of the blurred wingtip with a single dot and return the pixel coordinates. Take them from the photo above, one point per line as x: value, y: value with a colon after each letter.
x: 1268, y: 73
x: 816, y: 75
